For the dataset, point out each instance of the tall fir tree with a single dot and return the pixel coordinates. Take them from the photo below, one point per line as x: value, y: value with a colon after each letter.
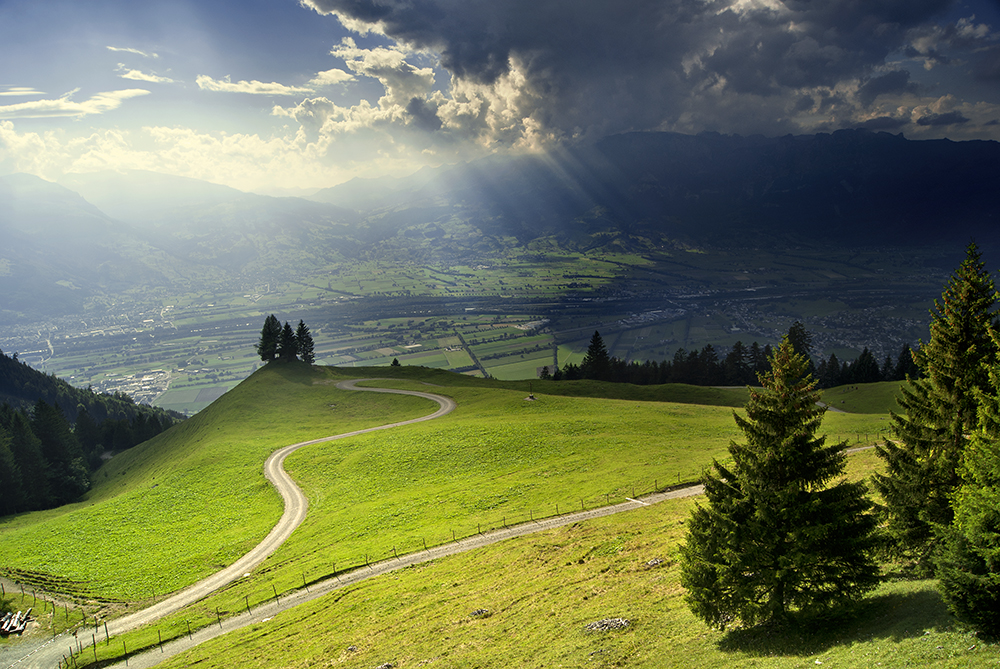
x: 304, y: 342
x: 596, y: 362
x: 67, y: 470
x: 270, y: 334
x: 287, y: 346
x: 27, y: 451
x: 939, y: 411
x: 776, y: 536
x: 967, y: 562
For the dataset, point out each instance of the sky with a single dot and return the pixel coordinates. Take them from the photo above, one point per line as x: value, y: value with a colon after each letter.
x: 280, y: 96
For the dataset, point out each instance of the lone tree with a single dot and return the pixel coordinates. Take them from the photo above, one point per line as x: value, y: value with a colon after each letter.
x: 596, y: 363
x: 304, y: 343
x: 267, y: 345
x: 967, y: 562
x: 775, y: 537
x: 939, y: 410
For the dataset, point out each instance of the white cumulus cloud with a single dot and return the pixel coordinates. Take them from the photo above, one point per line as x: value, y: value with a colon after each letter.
x: 99, y: 103
x: 330, y: 78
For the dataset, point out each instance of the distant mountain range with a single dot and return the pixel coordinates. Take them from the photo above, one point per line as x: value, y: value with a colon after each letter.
x: 108, y: 232
x: 851, y: 187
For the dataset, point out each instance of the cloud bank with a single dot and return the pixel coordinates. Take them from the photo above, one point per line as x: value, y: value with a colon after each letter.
x: 424, y: 82
x: 523, y: 72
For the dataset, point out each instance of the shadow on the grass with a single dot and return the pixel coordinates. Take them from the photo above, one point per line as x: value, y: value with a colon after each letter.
x: 894, y: 616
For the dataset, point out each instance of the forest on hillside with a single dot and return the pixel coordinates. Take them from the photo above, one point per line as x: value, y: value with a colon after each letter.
x: 53, y: 435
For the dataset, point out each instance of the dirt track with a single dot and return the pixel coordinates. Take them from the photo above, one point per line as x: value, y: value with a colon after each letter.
x: 48, y: 653
x: 263, y: 613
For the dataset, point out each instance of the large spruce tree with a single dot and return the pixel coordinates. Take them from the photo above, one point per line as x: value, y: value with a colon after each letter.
x: 288, y: 348
x: 968, y: 559
x: 782, y: 530
x: 939, y: 411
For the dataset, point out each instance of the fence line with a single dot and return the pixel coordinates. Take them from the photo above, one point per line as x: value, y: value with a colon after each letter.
x: 178, y: 629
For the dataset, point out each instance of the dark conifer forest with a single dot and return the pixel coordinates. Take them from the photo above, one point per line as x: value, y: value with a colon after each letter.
x: 53, y: 435
x: 740, y: 366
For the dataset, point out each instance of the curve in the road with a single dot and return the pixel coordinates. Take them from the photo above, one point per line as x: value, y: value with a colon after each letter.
x: 296, y: 506
x: 265, y: 611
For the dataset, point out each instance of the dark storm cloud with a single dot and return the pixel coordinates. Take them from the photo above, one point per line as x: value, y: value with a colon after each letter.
x: 424, y: 116
x: 598, y: 65
x: 884, y: 123
x: 894, y: 82
x: 948, y: 118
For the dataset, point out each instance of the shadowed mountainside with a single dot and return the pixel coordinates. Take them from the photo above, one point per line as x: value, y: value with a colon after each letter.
x: 639, y: 192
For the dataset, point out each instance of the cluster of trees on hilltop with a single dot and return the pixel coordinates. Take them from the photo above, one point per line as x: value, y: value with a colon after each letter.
x: 280, y: 342
x: 52, y: 435
x: 741, y: 366
x: 784, y: 532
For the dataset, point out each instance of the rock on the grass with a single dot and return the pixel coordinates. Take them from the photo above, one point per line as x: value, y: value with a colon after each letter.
x: 608, y: 624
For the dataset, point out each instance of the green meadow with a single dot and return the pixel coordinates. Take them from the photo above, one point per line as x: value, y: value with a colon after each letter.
x: 527, y: 602
x: 176, y: 508
x: 195, y: 498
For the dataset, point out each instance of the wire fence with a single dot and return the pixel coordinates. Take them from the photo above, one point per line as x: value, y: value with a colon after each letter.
x: 270, y: 594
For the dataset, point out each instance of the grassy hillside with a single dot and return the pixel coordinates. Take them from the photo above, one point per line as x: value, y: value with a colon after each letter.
x: 193, y: 499
x: 527, y: 602
x: 877, y: 398
x: 540, y: 592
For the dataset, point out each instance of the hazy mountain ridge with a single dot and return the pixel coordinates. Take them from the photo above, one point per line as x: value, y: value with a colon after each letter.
x: 62, y: 250
x: 716, y: 189
x: 639, y: 192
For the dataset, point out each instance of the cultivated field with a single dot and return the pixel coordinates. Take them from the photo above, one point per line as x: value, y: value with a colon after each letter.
x: 513, y: 312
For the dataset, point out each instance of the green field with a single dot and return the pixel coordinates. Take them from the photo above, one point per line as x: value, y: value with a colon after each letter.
x: 540, y: 593
x: 171, y: 498
x: 194, y: 498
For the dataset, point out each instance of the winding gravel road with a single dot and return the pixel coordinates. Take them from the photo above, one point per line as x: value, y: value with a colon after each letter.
x: 45, y: 655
